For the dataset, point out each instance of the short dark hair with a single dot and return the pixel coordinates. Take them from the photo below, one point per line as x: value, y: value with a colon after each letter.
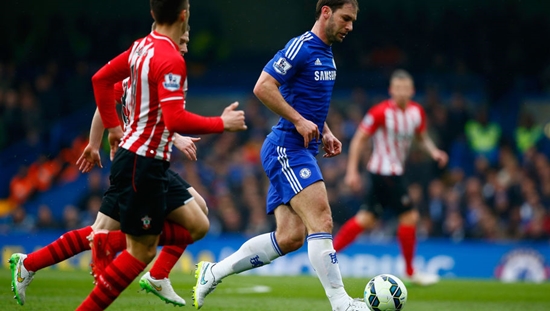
x: 333, y: 5
x: 166, y: 12
x: 401, y: 74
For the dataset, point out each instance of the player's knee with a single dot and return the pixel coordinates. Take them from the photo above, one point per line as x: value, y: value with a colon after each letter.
x: 365, y: 219
x: 201, y: 229
x: 201, y: 202
x: 291, y: 242
x: 409, y: 218
x: 145, y: 255
x: 323, y: 224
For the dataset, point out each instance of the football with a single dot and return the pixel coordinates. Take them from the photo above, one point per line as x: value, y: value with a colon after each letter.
x: 385, y: 292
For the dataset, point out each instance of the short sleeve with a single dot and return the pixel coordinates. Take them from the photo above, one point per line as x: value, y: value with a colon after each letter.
x: 287, y: 61
x: 170, y: 74
x: 372, y: 120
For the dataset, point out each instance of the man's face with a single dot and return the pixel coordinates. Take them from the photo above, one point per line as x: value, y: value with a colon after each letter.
x: 340, y: 23
x: 184, y: 40
x: 401, y: 90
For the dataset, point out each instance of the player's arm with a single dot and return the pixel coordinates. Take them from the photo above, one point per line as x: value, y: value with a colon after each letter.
x: 427, y: 143
x: 186, y: 145
x: 103, y: 81
x: 90, y: 156
x: 359, y: 145
x: 331, y: 145
x: 267, y: 91
x: 429, y: 146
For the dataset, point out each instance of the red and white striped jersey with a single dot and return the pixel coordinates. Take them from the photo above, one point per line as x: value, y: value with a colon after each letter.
x: 392, y: 130
x: 122, y: 97
x: 155, y: 103
x: 153, y: 60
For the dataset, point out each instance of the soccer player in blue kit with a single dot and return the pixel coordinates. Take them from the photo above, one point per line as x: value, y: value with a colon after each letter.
x: 297, y: 85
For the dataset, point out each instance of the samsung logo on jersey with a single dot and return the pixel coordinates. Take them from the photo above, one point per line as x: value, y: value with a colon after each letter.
x: 325, y: 75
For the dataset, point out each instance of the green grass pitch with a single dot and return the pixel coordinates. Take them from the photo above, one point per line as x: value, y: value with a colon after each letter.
x: 63, y: 291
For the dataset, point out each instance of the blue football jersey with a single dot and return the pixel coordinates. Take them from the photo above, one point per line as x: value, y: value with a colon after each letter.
x: 307, y: 73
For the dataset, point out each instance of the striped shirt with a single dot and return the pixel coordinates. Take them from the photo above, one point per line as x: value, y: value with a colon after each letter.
x: 392, y: 130
x: 152, y: 59
x: 155, y: 102
x: 121, y: 94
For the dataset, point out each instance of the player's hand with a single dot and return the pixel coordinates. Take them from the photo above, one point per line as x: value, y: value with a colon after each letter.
x: 233, y: 120
x: 353, y: 180
x: 115, y: 136
x: 90, y: 157
x: 187, y: 145
x: 440, y: 157
x: 308, y: 130
x: 331, y: 145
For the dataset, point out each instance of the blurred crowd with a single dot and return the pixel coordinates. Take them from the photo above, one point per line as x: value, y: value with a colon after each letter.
x: 496, y: 187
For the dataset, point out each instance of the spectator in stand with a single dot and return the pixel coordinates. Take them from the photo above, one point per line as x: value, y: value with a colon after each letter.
x: 71, y: 218
x: 458, y: 116
x: 483, y: 137
x: 89, y: 216
x: 436, y: 206
x: 21, y: 186
x: 20, y: 222
x: 95, y: 188
x: 45, y: 219
x: 13, y: 116
x: 528, y: 133
x: 43, y: 172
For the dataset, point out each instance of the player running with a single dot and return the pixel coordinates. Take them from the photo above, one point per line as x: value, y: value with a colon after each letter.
x: 392, y: 125
x: 297, y: 84
x: 191, y: 215
x: 139, y: 169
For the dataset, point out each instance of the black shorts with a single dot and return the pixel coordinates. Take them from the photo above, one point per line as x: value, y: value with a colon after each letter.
x: 141, y: 184
x: 386, y: 192
x: 177, y: 195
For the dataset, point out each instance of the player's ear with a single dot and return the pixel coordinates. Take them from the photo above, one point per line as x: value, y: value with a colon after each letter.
x: 152, y: 14
x: 326, y: 11
x: 183, y: 15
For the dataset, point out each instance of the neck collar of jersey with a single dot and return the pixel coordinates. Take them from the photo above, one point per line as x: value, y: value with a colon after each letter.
x: 316, y: 38
x: 159, y: 36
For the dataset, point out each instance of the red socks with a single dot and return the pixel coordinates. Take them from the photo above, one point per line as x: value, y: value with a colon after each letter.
x: 117, y: 241
x: 406, y: 235
x: 166, y: 260
x: 175, y: 237
x: 68, y: 245
x: 347, y: 234
x: 117, y: 276
x: 174, y: 234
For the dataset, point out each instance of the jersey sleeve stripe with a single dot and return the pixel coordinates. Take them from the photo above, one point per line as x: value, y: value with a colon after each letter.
x: 297, y: 45
x: 171, y: 98
x: 291, y: 47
